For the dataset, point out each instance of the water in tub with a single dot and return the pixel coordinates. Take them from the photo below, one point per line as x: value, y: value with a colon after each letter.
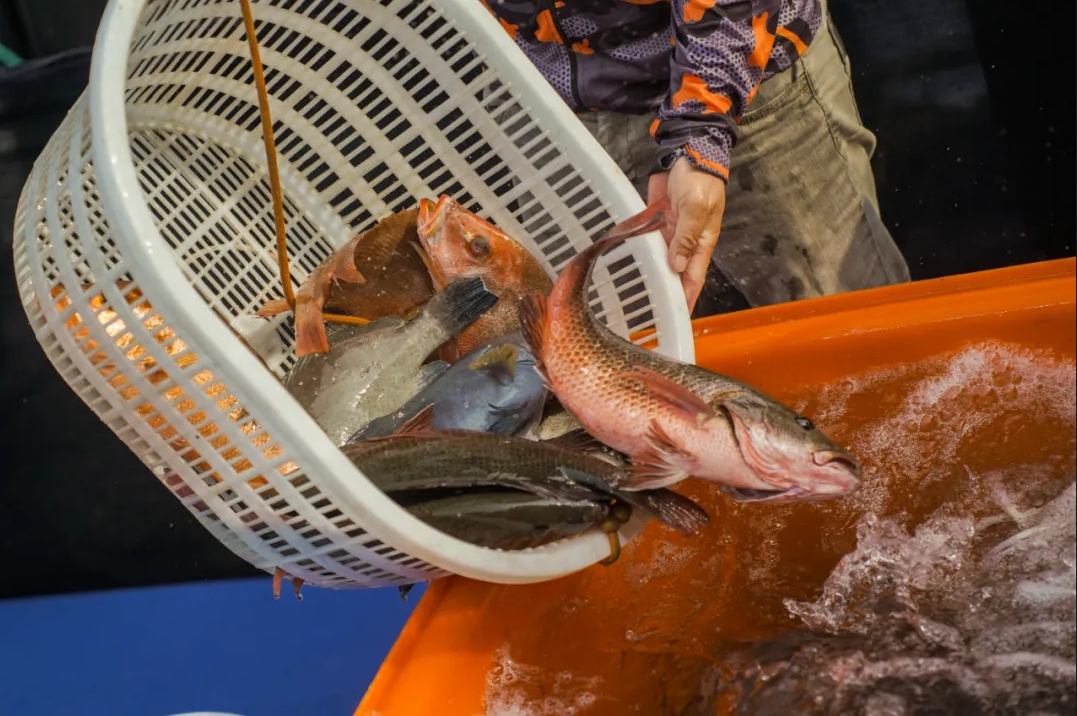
x: 956, y: 592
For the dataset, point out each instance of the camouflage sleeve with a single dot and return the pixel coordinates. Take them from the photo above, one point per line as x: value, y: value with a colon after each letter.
x: 721, y: 48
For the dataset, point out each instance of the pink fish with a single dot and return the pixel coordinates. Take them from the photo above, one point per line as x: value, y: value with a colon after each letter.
x: 674, y: 420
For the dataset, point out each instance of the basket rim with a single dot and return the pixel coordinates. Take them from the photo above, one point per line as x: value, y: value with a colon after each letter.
x: 154, y: 263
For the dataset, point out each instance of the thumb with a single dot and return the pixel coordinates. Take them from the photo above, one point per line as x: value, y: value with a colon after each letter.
x: 690, y: 225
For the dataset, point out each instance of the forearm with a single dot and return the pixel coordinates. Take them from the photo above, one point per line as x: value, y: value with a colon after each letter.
x: 717, y: 63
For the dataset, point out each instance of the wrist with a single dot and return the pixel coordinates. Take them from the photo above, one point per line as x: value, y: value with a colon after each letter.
x: 706, y: 154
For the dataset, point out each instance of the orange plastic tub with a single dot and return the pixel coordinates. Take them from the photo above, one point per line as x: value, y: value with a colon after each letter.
x: 932, y: 384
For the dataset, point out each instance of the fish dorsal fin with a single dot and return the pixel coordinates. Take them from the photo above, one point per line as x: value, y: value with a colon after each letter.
x: 577, y: 441
x: 499, y: 363
x: 418, y: 423
x: 672, y: 393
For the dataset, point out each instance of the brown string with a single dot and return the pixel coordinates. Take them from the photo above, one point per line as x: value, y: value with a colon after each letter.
x: 274, y: 177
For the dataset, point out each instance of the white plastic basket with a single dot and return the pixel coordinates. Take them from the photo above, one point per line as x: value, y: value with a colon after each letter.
x: 156, y: 177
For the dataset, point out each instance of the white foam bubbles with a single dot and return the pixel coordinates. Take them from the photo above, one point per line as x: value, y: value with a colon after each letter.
x: 510, y: 690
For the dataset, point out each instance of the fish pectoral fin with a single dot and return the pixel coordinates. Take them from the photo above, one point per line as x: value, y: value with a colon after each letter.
x: 342, y: 265
x: 533, y: 314
x: 498, y: 363
x: 670, y: 508
x: 429, y: 373
x: 418, y: 423
x: 506, y: 417
x: 670, y: 392
x: 581, y: 485
x: 656, y: 465
x: 589, y: 486
x: 272, y: 308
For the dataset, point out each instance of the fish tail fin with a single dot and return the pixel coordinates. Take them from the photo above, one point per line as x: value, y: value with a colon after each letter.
x: 499, y: 363
x: 272, y: 308
x: 576, y: 274
x: 459, y: 304
x: 310, y: 335
x: 646, y: 221
x: 671, y: 508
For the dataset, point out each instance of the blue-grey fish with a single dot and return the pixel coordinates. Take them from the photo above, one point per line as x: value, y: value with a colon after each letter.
x: 493, y: 389
x: 372, y: 370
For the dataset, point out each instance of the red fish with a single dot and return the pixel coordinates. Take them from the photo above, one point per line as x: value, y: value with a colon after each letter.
x: 675, y: 420
x: 458, y: 244
x: 379, y: 273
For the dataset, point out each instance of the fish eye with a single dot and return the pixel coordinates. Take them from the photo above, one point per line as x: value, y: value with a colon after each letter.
x: 805, y: 423
x: 479, y: 247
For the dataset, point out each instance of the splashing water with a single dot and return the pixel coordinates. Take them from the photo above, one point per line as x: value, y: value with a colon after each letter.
x: 507, y: 693
x: 961, y: 616
x: 955, y: 593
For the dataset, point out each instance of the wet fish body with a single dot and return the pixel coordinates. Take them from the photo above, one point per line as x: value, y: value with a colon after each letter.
x: 372, y: 370
x: 378, y: 273
x: 494, y: 389
x: 674, y: 420
x: 429, y: 460
x: 509, y: 519
x: 457, y: 243
x: 554, y: 424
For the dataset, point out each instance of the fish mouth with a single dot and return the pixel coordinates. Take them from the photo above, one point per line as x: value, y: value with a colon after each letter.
x: 431, y: 220
x: 747, y: 494
x: 839, y: 459
x: 840, y: 474
x: 788, y: 495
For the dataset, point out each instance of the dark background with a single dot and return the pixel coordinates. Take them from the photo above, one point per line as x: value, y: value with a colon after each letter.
x: 972, y: 103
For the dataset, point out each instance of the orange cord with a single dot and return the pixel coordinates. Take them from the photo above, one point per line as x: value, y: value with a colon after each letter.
x: 274, y: 176
x: 271, y: 155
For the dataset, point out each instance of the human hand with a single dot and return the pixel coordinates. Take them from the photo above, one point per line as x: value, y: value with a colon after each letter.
x: 697, y: 202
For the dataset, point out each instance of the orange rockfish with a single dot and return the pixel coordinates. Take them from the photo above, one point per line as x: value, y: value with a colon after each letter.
x: 378, y: 273
x: 458, y: 244
x: 674, y: 420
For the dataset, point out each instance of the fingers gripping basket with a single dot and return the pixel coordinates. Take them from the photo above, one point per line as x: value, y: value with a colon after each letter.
x: 147, y: 219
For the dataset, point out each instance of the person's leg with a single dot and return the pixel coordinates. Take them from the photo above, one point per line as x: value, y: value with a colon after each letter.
x: 627, y: 139
x: 802, y: 215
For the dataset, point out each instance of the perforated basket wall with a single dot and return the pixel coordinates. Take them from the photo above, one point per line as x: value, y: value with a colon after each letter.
x: 147, y: 220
